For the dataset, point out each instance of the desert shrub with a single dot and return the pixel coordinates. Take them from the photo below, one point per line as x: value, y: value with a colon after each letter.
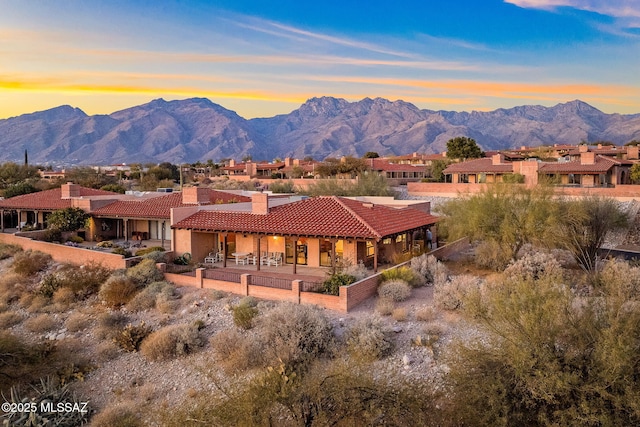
x: 12, y: 287
x: 426, y: 314
x: 8, y: 250
x: 34, y: 303
x: 52, y: 235
x: 29, y: 262
x: 243, y: 314
x: 294, y: 334
x: 131, y: 336
x: 109, y: 324
x: 82, y: 281
x: 117, y: 290
x: 399, y: 314
x: 490, y: 254
x: 121, y: 415
x: 63, y: 297
x: 623, y: 277
x: 430, y: 268
x: 149, y: 250
x: 171, y: 341
x: 20, y: 362
x: 332, y: 284
x: 153, y: 295
x: 405, y: 274
x: 385, y: 306
x: 234, y: 352
x: 369, y: 339
x: 76, y: 239
x: 40, y: 323
x: 9, y: 319
x: 77, y: 322
x: 359, y: 271
x: 118, y: 250
x: 145, y: 272
x: 534, y: 266
x: 107, y: 350
x: 395, y: 290
x: 451, y: 295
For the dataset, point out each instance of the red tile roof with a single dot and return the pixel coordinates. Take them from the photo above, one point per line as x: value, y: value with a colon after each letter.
x: 48, y: 199
x: 385, y: 166
x: 601, y: 165
x: 160, y: 207
x: 325, y: 216
x: 483, y: 165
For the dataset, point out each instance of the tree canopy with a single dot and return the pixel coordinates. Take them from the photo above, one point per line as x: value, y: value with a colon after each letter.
x: 462, y: 147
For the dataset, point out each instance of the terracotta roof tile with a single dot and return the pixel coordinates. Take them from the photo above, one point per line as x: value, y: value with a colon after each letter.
x: 160, y: 207
x: 601, y: 165
x: 479, y: 166
x: 48, y: 199
x: 324, y: 216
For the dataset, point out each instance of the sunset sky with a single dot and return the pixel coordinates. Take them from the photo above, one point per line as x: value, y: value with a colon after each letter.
x: 266, y: 58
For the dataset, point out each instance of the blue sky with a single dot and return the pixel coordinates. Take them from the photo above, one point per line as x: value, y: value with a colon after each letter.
x: 266, y: 58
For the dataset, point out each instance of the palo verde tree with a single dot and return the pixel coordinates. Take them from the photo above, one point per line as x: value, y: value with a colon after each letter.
x: 550, y: 356
x: 584, y: 224
x: 463, y: 148
x: 502, y: 218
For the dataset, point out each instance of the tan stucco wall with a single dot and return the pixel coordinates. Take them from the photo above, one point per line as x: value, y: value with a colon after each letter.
x: 313, y: 252
x: 182, y: 242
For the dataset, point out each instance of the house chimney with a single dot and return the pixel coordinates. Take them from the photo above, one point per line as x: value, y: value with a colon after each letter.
x: 288, y: 162
x: 260, y: 204
x: 497, y: 159
x: 583, y: 148
x: 195, y: 196
x: 587, y: 158
x: 70, y: 190
x: 633, y: 152
x: 232, y: 163
x: 296, y: 162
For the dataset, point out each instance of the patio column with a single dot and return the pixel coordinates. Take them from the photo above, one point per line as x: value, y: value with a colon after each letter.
x: 333, y: 255
x: 295, y: 254
x: 162, y: 233
x: 2, y: 220
x: 224, y: 250
x: 375, y: 256
x: 258, y: 254
x: 126, y: 229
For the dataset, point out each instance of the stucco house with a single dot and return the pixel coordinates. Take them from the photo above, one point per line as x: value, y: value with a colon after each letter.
x: 314, y: 232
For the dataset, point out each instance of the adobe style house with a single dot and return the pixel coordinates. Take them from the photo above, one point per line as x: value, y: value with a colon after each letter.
x: 587, y: 170
x: 397, y: 173
x: 314, y: 232
x: 113, y: 215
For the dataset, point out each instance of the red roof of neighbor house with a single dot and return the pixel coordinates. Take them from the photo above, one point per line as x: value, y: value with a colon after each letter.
x: 483, y: 165
x: 325, y: 216
x: 48, y: 199
x: 601, y: 165
x: 160, y: 207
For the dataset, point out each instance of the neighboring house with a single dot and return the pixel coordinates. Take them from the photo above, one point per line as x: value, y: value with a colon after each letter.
x: 314, y: 232
x: 113, y: 215
x: 399, y: 173
x: 34, y: 208
x: 252, y: 169
x: 477, y: 171
x: 50, y: 175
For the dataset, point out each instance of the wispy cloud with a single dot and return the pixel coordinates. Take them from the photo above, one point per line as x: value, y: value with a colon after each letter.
x: 615, y: 8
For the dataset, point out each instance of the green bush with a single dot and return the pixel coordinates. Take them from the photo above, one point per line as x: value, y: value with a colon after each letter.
x: 145, y: 272
x: 76, y: 239
x: 145, y: 251
x: 82, y: 281
x: 332, y: 285
x: 369, y: 339
x: 243, y: 315
x: 405, y: 274
x: 122, y: 251
x: 30, y: 262
x: 151, y: 295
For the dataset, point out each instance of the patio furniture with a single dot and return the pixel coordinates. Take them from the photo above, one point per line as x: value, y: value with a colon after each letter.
x: 276, y: 260
x: 252, y: 259
x: 211, y: 258
x: 240, y: 257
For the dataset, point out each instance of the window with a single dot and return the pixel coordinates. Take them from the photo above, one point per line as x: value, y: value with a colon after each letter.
x: 370, y: 249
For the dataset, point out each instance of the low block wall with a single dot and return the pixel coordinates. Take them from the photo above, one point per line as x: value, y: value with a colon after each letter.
x: 69, y: 254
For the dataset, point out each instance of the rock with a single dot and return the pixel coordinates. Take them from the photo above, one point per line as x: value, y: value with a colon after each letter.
x: 397, y: 329
x: 406, y: 360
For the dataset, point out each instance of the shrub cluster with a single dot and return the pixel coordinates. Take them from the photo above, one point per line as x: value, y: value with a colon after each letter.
x: 145, y: 272
x: 131, y: 336
x: 30, y: 262
x: 8, y: 250
x: 430, y: 268
x: 394, y: 290
x: 234, y: 351
x: 450, y: 295
x: 171, y: 341
x: 534, y: 266
x: 369, y: 339
x: 155, y: 295
x: 332, y: 285
x: 244, y: 313
x: 117, y: 290
x: 405, y: 274
x: 82, y: 281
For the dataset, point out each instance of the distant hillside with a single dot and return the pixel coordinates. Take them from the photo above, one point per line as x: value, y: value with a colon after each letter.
x: 197, y: 129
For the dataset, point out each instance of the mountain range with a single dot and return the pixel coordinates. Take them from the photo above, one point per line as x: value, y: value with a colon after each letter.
x: 197, y: 129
